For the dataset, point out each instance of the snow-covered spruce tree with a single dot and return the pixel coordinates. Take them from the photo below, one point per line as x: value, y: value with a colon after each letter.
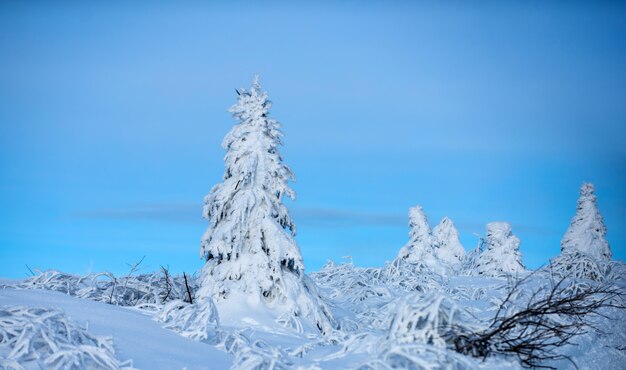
x: 252, y: 260
x: 585, y: 252
x: 448, y: 246
x: 586, y: 233
x: 501, y: 255
x: 420, y: 250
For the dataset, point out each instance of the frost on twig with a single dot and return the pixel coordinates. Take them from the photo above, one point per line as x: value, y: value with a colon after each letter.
x: 254, y: 354
x: 199, y: 321
x: 423, y: 319
x: 417, y: 330
x: 579, y: 266
x: 45, y: 336
x: 143, y: 290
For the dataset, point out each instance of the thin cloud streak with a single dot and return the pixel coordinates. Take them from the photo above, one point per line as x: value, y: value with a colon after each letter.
x: 191, y: 213
x: 317, y: 217
x: 164, y: 212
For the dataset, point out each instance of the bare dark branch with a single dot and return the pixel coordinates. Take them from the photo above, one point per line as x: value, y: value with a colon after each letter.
x: 548, y: 320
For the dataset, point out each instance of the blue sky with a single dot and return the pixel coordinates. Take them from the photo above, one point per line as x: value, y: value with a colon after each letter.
x: 112, y: 115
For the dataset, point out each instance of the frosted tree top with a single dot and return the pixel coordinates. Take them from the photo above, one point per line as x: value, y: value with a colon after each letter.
x: 587, y: 232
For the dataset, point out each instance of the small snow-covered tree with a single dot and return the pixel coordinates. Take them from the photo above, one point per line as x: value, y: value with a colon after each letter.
x: 586, y: 233
x: 249, y: 247
x: 438, y: 250
x: 420, y: 250
x: 448, y: 246
x: 501, y: 255
x: 585, y: 252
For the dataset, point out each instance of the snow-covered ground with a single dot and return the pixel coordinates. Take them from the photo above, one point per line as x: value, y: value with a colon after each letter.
x: 384, y: 324
x: 136, y: 336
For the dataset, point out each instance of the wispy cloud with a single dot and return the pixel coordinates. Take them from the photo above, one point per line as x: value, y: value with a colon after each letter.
x: 337, y: 217
x: 165, y: 212
x: 191, y: 213
x: 318, y: 217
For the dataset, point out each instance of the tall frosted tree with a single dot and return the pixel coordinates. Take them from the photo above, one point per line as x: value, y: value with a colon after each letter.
x: 249, y: 247
x: 586, y: 233
x: 501, y: 255
x: 448, y: 247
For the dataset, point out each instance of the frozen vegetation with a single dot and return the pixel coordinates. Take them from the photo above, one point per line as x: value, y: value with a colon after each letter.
x: 253, y: 306
x: 499, y: 255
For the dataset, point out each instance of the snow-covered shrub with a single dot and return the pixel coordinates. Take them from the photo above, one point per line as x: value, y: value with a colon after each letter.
x: 259, y: 355
x: 412, y: 277
x: 254, y: 354
x: 249, y: 245
x: 587, y: 233
x: 578, y: 265
x: 57, y: 281
x: 130, y: 290
x: 537, y: 317
x: 418, y: 357
x: 351, y: 284
x: 500, y: 256
x: 199, y: 321
x: 423, y: 319
x: 616, y: 271
x: 45, y: 338
x: 364, y: 290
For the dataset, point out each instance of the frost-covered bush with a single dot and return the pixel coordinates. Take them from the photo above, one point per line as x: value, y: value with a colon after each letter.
x: 616, y: 271
x: 587, y: 233
x: 254, y: 354
x: 249, y: 245
x: 199, y: 321
x: 131, y: 290
x: 537, y: 317
x: 416, y: 333
x: 359, y: 288
x: 423, y: 319
x: 61, y: 282
x: 45, y: 338
x: 351, y: 284
x: 418, y: 357
x: 500, y: 255
x: 260, y: 355
x: 404, y: 275
x: 578, y: 265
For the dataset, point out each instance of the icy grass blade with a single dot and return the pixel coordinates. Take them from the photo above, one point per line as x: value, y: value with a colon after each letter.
x: 45, y: 335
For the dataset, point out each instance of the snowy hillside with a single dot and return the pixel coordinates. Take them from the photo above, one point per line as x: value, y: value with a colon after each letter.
x: 135, y: 335
x: 384, y: 322
x: 253, y: 306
